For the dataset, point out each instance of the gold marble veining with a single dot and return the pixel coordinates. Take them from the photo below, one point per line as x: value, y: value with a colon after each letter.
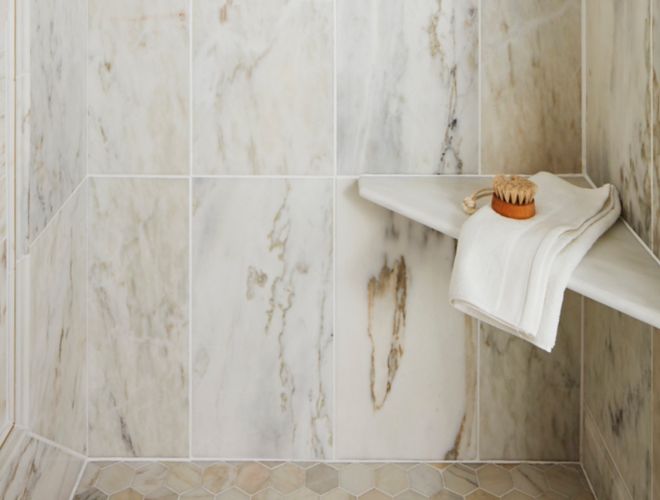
x: 531, y: 89
x: 391, y: 286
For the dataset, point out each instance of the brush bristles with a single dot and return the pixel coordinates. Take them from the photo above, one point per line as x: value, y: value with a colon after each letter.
x: 513, y: 189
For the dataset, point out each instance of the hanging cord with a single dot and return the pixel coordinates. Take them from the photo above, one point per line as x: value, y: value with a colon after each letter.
x: 470, y: 202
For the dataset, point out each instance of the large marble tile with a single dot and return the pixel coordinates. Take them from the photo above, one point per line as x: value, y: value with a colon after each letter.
x: 617, y: 390
x: 529, y: 399
x: 656, y: 129
x: 37, y: 470
x: 262, y: 318
x: 57, y: 99
x: 619, y: 104
x: 405, y: 359
x: 57, y: 328
x: 407, y: 85
x: 22, y: 165
x: 598, y: 465
x: 263, y: 87
x: 138, y: 317
x: 531, y: 86
x: 138, y: 84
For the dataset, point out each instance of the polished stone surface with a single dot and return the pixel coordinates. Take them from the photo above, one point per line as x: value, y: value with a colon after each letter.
x: 335, y: 481
x: 618, y: 391
x: 407, y: 86
x: 138, y: 87
x: 403, y: 354
x: 530, y: 400
x: 138, y: 317
x: 263, y: 87
x: 262, y: 318
x: 530, y: 89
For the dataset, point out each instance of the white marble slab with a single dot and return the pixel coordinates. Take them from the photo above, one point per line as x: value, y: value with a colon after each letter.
x: 138, y: 86
x: 405, y: 359
x: 263, y: 87
x: 262, y: 318
x: 407, y: 86
x: 57, y: 329
x: 618, y: 271
x: 36, y: 470
x: 138, y: 317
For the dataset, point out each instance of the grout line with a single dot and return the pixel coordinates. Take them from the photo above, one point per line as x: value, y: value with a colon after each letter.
x: 334, y: 238
x: 583, y: 85
x: 586, y: 476
x: 308, y: 177
x: 609, y: 453
x: 54, y: 444
x: 479, y: 89
x: 190, y: 224
x: 87, y: 230
x: 78, y: 479
x: 652, y: 127
x: 55, y: 215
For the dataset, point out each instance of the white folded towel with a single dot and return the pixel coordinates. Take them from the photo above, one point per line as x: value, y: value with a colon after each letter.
x: 512, y: 273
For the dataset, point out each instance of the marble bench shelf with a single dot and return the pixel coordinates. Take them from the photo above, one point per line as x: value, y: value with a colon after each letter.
x: 618, y: 271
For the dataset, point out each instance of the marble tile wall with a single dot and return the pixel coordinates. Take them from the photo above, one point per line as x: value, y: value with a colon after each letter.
x: 531, y: 86
x: 618, y: 402
x: 57, y: 328
x: 237, y: 316
x: 138, y: 317
x: 34, y: 469
x: 262, y: 309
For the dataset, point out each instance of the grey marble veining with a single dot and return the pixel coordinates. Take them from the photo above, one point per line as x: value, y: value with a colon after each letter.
x: 405, y: 359
x: 617, y: 390
x: 138, y: 86
x: 37, y: 471
x: 619, y: 104
x: 262, y: 318
x: 57, y: 100
x: 57, y: 327
x: 138, y: 317
x: 531, y: 86
x: 263, y: 87
x: 529, y: 399
x: 407, y: 86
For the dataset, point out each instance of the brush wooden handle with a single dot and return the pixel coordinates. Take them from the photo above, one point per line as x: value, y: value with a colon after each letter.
x: 513, y: 211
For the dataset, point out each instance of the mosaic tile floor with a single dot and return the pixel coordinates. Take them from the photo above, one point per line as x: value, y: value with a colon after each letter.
x: 303, y: 481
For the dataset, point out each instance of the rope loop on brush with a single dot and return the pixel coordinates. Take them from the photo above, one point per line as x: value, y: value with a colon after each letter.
x: 470, y: 202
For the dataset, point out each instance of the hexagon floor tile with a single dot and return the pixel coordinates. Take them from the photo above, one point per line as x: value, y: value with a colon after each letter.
x: 144, y: 480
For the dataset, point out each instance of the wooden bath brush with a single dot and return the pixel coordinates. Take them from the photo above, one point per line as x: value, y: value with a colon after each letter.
x: 512, y: 197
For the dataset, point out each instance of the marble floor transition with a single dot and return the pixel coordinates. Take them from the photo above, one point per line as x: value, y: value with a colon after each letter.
x: 368, y: 481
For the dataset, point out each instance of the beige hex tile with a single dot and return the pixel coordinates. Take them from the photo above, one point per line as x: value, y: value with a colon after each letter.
x: 303, y: 494
x: 321, y: 478
x: 138, y: 464
x: 495, y: 479
x: 199, y: 494
x: 356, y: 478
x: 391, y: 479
x: 446, y: 495
x: 563, y: 480
x: 268, y: 494
x: 271, y: 464
x: 529, y: 479
x: 232, y: 494
x: 460, y: 479
x: 409, y: 495
x: 287, y: 478
x: 114, y: 478
x: 516, y: 495
x: 480, y: 495
x: 338, y: 494
x: 162, y: 493
x: 551, y: 495
x: 305, y: 465
x: 183, y: 476
x: 426, y: 480
x: 127, y: 494
x: 150, y: 478
x: 218, y: 477
x: 252, y: 477
x: 374, y: 495
x: 406, y: 465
